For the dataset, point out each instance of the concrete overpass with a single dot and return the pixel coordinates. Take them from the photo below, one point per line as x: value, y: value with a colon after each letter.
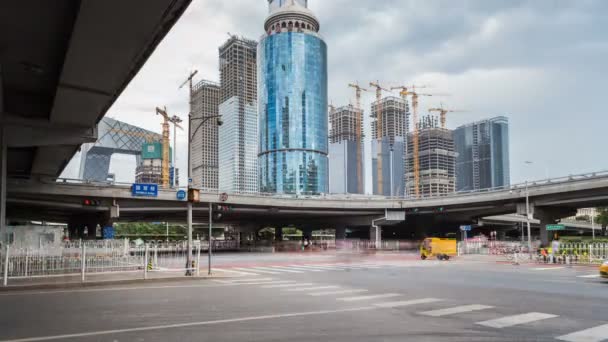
x: 62, y: 65
x: 551, y: 201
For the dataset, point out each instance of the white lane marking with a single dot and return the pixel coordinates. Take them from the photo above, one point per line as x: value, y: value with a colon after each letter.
x: 306, y: 269
x: 596, y: 334
x: 267, y: 282
x: 237, y: 272
x: 360, y: 298
x: 287, y: 269
x: 510, y: 321
x: 455, y: 310
x: 303, y: 289
x: 339, y: 292
x: 185, y: 325
x: 286, y: 285
x: 548, y: 268
x: 408, y: 302
x: 589, y: 276
x: 234, y: 281
x: 282, y: 269
x: 264, y: 270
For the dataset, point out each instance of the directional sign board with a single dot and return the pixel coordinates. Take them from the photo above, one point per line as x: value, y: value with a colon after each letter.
x: 181, y: 195
x: 144, y: 190
x: 554, y: 227
x: 466, y: 228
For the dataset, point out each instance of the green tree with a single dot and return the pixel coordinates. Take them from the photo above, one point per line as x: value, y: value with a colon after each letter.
x: 602, y: 219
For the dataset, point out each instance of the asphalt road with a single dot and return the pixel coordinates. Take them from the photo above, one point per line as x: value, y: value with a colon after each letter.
x: 287, y: 298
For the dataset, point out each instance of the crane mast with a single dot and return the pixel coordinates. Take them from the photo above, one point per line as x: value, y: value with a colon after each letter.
x: 358, y: 133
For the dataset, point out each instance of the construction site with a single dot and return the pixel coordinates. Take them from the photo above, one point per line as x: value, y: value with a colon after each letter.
x: 346, y: 150
x: 436, y: 157
x: 204, y: 102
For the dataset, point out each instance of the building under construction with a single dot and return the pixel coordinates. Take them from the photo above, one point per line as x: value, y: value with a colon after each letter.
x: 389, y: 130
x: 204, y: 102
x: 238, y: 137
x: 346, y: 151
x: 150, y: 168
x: 437, y: 159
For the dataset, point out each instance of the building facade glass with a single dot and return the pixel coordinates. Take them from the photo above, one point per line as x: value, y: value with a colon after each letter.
x: 483, y: 161
x: 293, y: 123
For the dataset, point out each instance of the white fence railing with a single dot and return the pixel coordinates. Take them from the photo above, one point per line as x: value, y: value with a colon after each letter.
x: 88, y: 258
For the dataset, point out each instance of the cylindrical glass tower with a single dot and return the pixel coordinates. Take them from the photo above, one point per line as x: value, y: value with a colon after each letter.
x: 292, y: 97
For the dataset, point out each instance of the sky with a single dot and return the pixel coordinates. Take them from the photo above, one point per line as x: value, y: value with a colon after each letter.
x: 541, y: 63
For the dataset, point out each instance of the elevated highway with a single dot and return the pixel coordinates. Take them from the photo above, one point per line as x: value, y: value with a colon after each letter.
x: 550, y: 200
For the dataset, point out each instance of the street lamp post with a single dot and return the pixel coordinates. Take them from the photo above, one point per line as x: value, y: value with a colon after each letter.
x: 528, y: 220
x: 189, y: 215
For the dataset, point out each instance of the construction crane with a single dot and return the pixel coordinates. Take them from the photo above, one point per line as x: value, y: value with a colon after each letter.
x: 379, y: 126
x: 358, y: 133
x: 189, y: 80
x: 443, y: 114
x: 405, y: 92
x: 175, y: 120
x: 165, y: 143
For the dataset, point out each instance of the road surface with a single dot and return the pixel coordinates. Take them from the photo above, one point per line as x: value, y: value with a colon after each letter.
x: 369, y: 298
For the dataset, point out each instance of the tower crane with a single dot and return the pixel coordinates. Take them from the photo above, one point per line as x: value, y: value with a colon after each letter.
x: 405, y: 92
x: 358, y: 133
x: 165, y: 143
x: 379, y: 89
x: 443, y: 114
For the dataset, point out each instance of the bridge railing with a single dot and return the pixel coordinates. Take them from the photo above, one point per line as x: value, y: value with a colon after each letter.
x: 514, y: 187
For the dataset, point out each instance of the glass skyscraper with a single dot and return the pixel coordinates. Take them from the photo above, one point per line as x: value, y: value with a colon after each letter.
x: 483, y: 154
x: 292, y: 98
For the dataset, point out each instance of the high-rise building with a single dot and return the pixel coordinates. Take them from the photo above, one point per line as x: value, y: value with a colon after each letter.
x: 389, y: 131
x: 483, y: 154
x: 204, y: 103
x: 437, y: 159
x: 292, y: 97
x: 238, y: 136
x: 346, y: 151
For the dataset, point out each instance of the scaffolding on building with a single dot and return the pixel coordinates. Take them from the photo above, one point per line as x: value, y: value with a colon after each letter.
x: 437, y: 158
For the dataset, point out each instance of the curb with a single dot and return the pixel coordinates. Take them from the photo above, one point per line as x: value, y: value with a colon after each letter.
x: 64, y: 286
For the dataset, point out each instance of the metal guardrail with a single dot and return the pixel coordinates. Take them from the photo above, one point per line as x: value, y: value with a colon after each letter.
x: 515, y: 187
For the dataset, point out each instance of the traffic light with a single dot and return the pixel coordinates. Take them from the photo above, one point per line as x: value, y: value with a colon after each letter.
x: 87, y: 202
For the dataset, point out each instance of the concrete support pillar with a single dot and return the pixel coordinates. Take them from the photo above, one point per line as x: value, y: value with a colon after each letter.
x: 307, y: 233
x: 340, y: 232
x: 375, y: 235
x: 278, y: 234
x: 550, y: 216
x: 3, y: 175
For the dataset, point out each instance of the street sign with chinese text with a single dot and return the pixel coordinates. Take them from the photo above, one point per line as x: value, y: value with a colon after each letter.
x: 145, y: 190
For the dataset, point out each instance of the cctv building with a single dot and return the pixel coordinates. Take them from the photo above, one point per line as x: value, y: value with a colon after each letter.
x: 292, y: 99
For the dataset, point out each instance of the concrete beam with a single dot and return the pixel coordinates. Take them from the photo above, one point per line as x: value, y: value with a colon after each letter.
x: 26, y: 132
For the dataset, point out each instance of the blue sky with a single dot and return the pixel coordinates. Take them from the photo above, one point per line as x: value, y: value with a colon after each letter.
x: 542, y: 63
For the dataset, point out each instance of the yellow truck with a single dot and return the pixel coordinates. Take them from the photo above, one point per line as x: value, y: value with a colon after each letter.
x: 442, y: 249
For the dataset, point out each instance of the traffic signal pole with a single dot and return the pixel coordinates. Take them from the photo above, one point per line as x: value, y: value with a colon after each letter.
x: 210, y: 234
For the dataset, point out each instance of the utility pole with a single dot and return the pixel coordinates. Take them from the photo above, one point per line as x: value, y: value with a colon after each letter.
x: 189, y: 203
x: 528, y: 220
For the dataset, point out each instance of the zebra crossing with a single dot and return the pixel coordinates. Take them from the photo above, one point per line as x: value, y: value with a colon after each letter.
x: 299, y: 269
x: 440, y: 308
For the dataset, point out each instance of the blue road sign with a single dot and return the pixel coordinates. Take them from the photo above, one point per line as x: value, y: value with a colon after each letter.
x: 181, y: 195
x: 145, y: 190
x: 466, y: 228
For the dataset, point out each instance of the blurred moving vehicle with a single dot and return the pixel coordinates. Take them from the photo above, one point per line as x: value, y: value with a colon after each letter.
x: 442, y: 249
x: 604, y: 269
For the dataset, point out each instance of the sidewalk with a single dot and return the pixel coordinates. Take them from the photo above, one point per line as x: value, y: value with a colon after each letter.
x: 97, y: 279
